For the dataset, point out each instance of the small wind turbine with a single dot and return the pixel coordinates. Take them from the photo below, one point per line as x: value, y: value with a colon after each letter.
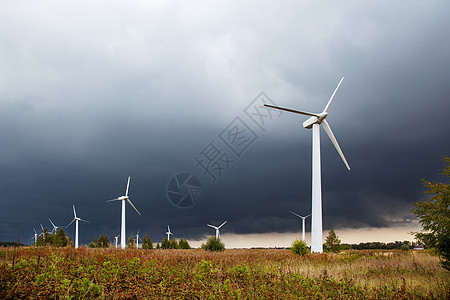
x: 217, y: 229
x: 122, y: 227
x: 314, y: 122
x: 55, y: 228
x: 137, y: 239
x: 35, y: 237
x: 116, y: 238
x: 168, y: 233
x: 43, y: 232
x: 303, y: 224
x: 76, y: 219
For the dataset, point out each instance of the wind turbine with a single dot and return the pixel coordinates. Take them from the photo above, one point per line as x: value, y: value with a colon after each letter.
x: 122, y: 228
x: 314, y: 122
x: 116, y: 238
x: 35, y: 237
x: 168, y: 233
x: 303, y: 224
x: 55, y: 228
x: 76, y: 219
x: 43, y: 232
x: 217, y: 229
x: 137, y: 239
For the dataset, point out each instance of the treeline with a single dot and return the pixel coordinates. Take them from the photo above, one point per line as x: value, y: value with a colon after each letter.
x: 11, y: 244
x: 103, y: 242
x: 56, y: 239
x: 405, y: 245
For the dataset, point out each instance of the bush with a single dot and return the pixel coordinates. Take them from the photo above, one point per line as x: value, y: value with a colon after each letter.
x: 214, y: 245
x: 299, y: 247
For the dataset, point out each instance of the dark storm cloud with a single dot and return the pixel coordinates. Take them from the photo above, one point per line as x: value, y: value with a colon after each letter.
x: 97, y: 93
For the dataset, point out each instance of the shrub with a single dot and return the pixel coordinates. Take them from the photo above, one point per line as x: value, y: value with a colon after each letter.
x: 299, y: 247
x: 213, y: 244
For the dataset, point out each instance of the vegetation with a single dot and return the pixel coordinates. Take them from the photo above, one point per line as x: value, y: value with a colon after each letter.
x: 58, y: 239
x: 213, y: 244
x: 299, y: 247
x: 183, y: 244
x: 147, y: 242
x: 332, y: 242
x: 434, y: 215
x: 130, y: 243
x: 102, y: 242
x: 108, y: 273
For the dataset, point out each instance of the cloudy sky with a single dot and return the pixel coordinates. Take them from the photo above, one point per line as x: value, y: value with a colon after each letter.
x: 92, y: 92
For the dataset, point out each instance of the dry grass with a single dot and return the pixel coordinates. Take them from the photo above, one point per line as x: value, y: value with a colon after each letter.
x: 232, y: 274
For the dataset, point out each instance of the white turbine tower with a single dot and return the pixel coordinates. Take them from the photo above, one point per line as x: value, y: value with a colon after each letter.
x: 55, y: 228
x: 168, y: 233
x: 124, y: 199
x: 314, y: 122
x: 137, y: 239
x: 303, y: 224
x: 217, y: 229
x: 76, y: 219
x: 35, y: 237
x: 116, y: 238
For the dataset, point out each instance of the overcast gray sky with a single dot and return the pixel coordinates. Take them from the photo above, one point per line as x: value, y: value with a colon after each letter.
x: 92, y: 92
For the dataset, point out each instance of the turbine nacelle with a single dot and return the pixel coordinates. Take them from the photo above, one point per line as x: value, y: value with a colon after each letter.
x: 315, y: 120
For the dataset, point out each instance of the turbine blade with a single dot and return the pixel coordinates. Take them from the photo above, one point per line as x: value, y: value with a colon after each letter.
x: 133, y: 207
x: 334, y: 141
x: 222, y: 224
x: 117, y: 199
x: 35, y: 231
x: 308, y: 216
x: 293, y: 110
x: 42, y: 227
x: 74, y: 212
x: 128, y: 185
x: 295, y: 214
x: 51, y: 222
x: 332, y: 96
x: 212, y: 226
x: 83, y: 220
x: 70, y: 223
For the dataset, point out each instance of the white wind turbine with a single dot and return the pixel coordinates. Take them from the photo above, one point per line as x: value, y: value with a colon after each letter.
x: 303, y: 224
x: 122, y: 227
x: 168, y: 233
x: 76, y: 219
x: 217, y: 229
x: 137, y: 239
x: 116, y: 238
x: 35, y: 237
x: 55, y: 228
x: 314, y: 122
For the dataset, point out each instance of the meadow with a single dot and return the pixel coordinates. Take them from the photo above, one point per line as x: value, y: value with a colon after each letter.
x: 85, y: 273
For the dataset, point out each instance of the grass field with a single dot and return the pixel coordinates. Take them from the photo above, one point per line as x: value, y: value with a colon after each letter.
x: 43, y: 273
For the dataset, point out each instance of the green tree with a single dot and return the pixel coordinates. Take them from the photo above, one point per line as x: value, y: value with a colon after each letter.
x: 213, y: 244
x: 103, y: 241
x: 299, y: 247
x: 183, y: 244
x: 173, y: 244
x: 434, y: 215
x: 332, y: 242
x: 165, y: 244
x: 147, y: 242
x: 130, y: 243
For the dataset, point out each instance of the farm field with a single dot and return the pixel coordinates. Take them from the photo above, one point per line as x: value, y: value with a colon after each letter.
x: 84, y: 273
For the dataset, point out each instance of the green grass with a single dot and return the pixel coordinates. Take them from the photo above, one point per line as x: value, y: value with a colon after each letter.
x: 42, y: 273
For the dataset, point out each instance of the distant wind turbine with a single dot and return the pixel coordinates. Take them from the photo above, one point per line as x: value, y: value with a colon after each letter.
x: 76, y: 219
x: 303, y: 224
x: 217, y: 229
x: 55, y: 228
x: 314, y: 122
x: 124, y: 199
x: 116, y: 238
x: 35, y: 237
x: 137, y: 239
x: 168, y: 233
